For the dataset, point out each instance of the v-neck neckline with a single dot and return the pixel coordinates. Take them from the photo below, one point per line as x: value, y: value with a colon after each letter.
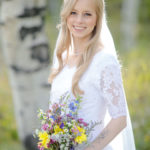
x: 75, y: 67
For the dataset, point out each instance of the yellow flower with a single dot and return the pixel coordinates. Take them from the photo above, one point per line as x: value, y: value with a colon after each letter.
x: 81, y: 129
x: 78, y: 129
x: 57, y: 129
x: 43, y: 137
x: 82, y: 137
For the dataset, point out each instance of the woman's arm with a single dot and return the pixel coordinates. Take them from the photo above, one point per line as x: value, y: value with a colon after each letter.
x: 111, y: 87
x: 108, y: 134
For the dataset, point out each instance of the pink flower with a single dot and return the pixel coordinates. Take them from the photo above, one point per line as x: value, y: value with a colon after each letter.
x: 80, y: 120
x: 55, y: 106
x: 41, y: 148
x: 45, y: 127
x: 50, y: 142
x: 85, y: 124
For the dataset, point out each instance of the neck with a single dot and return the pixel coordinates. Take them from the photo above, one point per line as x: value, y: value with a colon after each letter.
x: 78, y: 46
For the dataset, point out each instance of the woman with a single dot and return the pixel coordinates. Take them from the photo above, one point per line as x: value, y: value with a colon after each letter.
x: 87, y: 65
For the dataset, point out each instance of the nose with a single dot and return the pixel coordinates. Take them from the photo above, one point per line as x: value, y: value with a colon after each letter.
x: 79, y: 18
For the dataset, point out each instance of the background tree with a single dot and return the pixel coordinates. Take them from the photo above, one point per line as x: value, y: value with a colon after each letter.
x: 130, y: 9
x: 136, y: 72
x: 26, y: 51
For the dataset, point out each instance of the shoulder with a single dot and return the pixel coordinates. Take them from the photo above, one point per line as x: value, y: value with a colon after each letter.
x: 104, y: 58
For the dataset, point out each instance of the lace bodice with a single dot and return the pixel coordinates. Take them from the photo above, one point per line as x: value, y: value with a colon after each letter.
x: 102, y: 86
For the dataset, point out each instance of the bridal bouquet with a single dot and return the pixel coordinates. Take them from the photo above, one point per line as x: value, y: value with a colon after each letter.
x: 61, y: 129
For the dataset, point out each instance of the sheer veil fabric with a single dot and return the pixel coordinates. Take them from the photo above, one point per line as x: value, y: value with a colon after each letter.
x: 125, y: 139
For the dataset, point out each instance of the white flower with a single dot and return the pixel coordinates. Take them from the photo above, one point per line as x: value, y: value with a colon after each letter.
x: 69, y: 124
x: 66, y: 130
x: 43, y: 122
x: 62, y: 146
x: 67, y: 144
x: 66, y: 148
x: 36, y: 131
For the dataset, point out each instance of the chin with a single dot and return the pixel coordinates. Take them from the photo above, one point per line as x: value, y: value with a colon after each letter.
x: 81, y: 36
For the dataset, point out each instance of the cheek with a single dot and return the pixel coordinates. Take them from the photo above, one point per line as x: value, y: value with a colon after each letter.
x: 68, y: 24
x: 92, y: 22
x: 69, y: 21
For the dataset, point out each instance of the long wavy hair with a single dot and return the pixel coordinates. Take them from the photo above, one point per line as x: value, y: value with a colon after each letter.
x: 64, y: 43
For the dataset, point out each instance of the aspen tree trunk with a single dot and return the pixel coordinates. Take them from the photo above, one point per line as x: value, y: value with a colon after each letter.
x: 129, y: 20
x: 26, y: 51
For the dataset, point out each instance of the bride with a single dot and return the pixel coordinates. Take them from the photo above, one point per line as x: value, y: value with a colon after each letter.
x: 85, y: 63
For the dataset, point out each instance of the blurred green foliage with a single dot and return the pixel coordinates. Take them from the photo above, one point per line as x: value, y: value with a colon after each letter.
x: 8, y: 129
x: 144, y: 11
x: 136, y: 76
x: 144, y: 20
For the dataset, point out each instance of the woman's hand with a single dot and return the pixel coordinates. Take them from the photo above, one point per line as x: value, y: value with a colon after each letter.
x: 114, y: 127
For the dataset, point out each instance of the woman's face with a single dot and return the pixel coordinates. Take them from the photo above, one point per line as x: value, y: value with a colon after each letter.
x: 82, y: 19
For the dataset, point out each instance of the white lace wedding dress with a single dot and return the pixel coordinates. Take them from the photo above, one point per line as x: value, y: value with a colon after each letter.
x: 103, y: 97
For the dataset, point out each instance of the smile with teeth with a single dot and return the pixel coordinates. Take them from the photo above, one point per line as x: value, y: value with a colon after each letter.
x: 78, y: 28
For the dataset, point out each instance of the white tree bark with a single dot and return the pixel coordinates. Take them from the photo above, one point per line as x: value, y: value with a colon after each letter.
x: 26, y: 51
x: 129, y: 22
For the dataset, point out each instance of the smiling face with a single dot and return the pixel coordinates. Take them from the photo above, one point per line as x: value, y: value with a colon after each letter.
x: 82, y: 19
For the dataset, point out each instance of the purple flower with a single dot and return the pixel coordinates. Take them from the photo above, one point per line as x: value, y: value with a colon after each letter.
x: 72, y: 107
x: 77, y: 102
x: 72, y: 148
x: 53, y: 117
x: 68, y: 115
x: 45, y: 127
x: 62, y: 125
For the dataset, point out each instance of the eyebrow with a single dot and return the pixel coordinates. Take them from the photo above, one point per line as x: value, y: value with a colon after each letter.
x: 84, y: 11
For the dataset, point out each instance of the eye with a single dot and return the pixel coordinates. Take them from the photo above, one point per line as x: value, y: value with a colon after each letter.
x: 87, y: 14
x: 73, y: 13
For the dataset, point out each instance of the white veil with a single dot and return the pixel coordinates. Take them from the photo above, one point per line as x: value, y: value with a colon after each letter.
x: 125, y: 140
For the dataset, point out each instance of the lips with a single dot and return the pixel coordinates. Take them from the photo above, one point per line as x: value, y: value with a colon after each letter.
x: 79, y: 28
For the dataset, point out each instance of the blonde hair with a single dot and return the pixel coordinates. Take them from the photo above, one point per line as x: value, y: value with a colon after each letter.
x: 64, y: 42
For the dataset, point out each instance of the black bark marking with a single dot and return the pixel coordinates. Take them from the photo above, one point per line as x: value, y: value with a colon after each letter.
x: 24, y: 31
x: 30, y: 143
x: 17, y: 69
x: 40, y: 53
x: 32, y: 12
x: 2, y: 23
x: 46, y: 85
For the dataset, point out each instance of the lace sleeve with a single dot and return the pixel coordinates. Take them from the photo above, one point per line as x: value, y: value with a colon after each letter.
x: 112, y: 90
